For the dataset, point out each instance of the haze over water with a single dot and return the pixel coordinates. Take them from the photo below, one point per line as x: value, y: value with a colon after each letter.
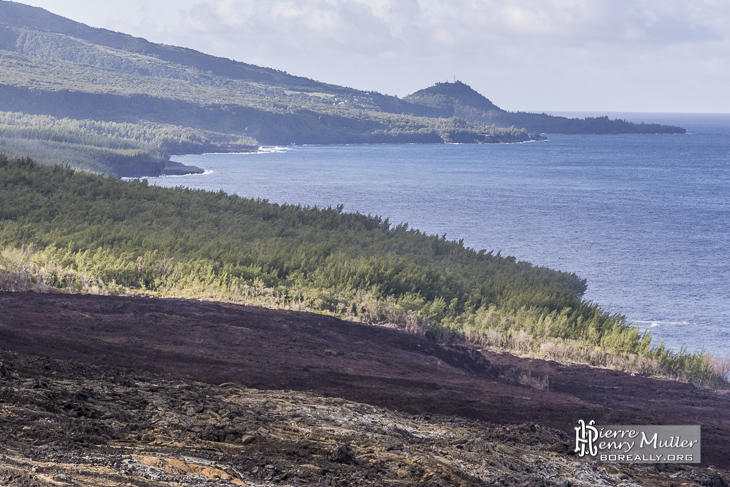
x: 644, y: 218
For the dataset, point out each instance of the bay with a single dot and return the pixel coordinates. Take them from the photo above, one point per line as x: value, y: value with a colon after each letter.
x: 644, y: 218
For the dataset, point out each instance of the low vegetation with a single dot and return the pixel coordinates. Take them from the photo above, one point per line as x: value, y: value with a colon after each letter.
x: 81, y: 232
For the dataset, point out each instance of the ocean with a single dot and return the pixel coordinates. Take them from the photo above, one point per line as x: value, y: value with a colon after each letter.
x: 644, y: 218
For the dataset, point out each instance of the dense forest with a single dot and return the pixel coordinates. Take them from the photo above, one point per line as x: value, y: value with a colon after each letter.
x: 125, y: 149
x: 52, y: 66
x: 82, y: 232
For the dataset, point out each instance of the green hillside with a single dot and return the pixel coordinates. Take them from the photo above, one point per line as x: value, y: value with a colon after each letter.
x: 39, y: 33
x: 52, y: 66
x: 87, y: 233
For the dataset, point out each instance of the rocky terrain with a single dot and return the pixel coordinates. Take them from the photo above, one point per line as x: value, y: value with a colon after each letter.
x: 135, y: 391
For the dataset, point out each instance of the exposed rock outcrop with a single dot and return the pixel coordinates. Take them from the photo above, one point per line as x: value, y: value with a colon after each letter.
x: 66, y: 423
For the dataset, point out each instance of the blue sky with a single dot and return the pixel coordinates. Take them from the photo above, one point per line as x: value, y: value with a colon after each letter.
x: 530, y: 55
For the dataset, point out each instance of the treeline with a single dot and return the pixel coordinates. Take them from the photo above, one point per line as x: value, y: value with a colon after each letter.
x: 125, y: 149
x: 542, y: 122
x: 124, y: 162
x: 171, y: 138
x: 88, y: 233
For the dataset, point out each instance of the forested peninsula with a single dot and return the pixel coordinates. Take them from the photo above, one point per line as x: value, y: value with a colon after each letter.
x: 116, y: 104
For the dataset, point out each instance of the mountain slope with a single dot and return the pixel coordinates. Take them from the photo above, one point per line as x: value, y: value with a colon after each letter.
x: 181, y: 100
x: 178, y: 100
x: 26, y: 23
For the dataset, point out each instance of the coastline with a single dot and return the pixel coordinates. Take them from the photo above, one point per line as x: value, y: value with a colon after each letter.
x: 675, y: 311
x: 173, y: 168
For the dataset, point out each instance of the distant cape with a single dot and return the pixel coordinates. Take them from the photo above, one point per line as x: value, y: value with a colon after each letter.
x: 459, y: 100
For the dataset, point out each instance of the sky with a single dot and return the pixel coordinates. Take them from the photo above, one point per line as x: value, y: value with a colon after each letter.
x: 527, y: 55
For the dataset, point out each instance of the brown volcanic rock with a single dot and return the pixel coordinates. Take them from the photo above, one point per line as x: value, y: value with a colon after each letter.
x: 266, y: 349
x: 69, y: 423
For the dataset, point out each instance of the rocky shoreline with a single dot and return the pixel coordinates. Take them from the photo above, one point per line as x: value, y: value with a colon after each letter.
x: 173, y: 168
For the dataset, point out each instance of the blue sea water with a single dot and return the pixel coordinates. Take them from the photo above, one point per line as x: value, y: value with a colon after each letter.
x: 644, y: 218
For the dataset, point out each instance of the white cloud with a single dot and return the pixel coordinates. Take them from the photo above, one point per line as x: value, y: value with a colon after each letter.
x: 410, y: 24
x: 513, y: 50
